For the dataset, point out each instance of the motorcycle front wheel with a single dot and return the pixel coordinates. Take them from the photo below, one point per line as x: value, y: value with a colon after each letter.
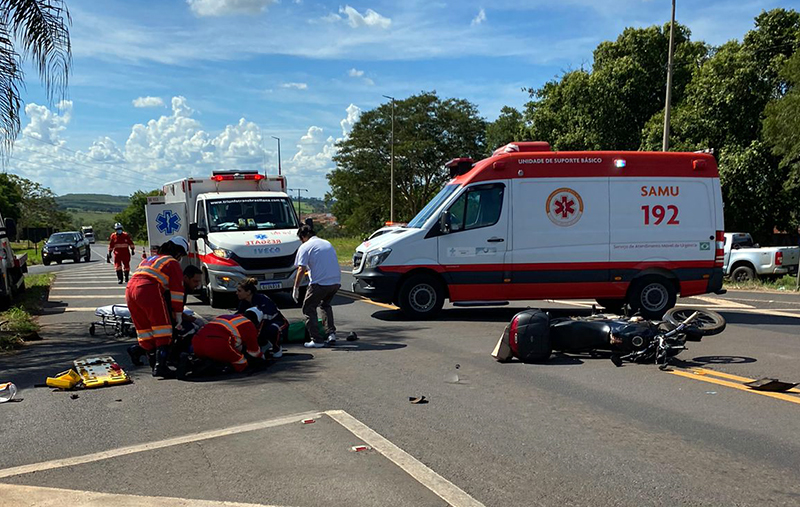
x: 708, y: 323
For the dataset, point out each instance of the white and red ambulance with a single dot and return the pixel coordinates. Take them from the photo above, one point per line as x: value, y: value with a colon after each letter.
x: 529, y: 223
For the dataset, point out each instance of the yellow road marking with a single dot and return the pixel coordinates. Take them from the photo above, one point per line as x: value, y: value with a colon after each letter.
x: 734, y: 385
x: 355, y: 297
x: 715, y: 373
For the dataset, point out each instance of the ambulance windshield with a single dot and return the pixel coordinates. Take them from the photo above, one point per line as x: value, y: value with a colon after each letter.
x: 432, y: 207
x: 251, y: 214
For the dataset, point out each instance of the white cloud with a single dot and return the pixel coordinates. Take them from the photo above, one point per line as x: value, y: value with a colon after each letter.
x: 228, y: 7
x: 331, y: 18
x: 369, y: 18
x: 148, y: 102
x: 296, y: 86
x: 369, y: 81
x: 480, y: 18
x: 172, y: 146
x: 355, y: 73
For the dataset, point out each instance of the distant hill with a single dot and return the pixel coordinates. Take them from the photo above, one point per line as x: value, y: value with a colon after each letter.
x: 93, y: 202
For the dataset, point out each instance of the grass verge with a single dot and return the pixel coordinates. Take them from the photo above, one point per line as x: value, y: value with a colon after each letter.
x: 785, y: 284
x: 18, y: 324
x: 345, y: 248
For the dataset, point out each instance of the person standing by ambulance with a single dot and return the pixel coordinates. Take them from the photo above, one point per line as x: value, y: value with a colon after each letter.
x: 122, y: 245
x: 317, y: 258
x: 155, y: 289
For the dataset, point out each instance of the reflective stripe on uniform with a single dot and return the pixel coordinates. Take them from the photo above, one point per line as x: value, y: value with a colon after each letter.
x: 241, y: 361
x: 152, y: 273
x: 144, y: 335
x: 230, y: 327
x: 160, y: 262
x: 162, y: 331
x: 177, y: 296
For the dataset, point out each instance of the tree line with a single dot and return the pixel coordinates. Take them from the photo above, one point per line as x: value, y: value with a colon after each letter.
x: 740, y: 99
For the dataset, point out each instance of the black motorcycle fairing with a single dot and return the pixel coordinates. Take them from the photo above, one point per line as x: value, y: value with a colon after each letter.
x: 580, y: 335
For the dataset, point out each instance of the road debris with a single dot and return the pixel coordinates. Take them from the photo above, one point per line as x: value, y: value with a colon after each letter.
x: 417, y: 400
x: 352, y: 336
x: 771, y: 384
x: 7, y: 392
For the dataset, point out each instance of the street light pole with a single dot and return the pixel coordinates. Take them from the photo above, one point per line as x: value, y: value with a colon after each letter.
x: 279, y: 154
x: 391, y: 169
x: 299, y: 200
x: 665, y: 141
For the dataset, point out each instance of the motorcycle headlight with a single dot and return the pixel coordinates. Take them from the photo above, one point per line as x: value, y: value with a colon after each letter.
x: 222, y: 253
x: 376, y: 257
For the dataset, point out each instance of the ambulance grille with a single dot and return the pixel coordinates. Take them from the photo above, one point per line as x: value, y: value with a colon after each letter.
x: 261, y: 263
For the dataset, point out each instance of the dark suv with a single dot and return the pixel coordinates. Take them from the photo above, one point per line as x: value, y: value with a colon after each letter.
x: 66, y: 245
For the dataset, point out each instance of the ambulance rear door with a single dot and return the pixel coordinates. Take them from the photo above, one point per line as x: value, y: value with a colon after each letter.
x: 165, y: 221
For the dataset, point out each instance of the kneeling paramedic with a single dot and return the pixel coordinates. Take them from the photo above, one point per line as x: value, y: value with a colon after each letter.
x: 121, y: 244
x: 157, y: 281
x: 231, y: 340
x: 273, y: 325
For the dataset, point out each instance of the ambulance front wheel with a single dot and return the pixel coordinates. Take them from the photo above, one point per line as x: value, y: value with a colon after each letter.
x: 421, y: 296
x: 652, y: 296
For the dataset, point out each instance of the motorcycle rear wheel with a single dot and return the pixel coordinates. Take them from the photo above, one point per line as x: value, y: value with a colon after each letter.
x: 708, y: 323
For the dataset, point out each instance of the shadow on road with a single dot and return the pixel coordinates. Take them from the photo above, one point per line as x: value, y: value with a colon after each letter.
x: 494, y: 314
x: 757, y: 319
x: 707, y: 360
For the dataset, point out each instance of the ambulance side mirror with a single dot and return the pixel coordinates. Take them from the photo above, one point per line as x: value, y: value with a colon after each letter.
x: 196, y: 232
x: 11, y: 229
x: 445, y: 222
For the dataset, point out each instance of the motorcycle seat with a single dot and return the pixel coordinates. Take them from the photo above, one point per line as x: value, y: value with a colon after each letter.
x: 580, y: 335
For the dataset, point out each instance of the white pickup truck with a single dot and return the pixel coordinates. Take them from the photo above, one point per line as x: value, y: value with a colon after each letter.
x: 12, y: 267
x: 745, y: 260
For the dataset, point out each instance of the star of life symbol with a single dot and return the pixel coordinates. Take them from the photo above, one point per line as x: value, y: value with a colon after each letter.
x: 168, y: 222
x: 564, y: 207
x: 261, y: 236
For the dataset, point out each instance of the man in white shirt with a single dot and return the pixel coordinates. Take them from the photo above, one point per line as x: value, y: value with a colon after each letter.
x: 317, y: 257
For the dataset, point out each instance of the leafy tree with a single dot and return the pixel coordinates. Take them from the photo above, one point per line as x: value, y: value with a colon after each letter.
x: 782, y: 134
x: 38, y: 207
x: 35, y: 31
x: 133, y: 218
x: 607, y: 107
x: 10, y: 197
x: 428, y: 132
x: 507, y: 128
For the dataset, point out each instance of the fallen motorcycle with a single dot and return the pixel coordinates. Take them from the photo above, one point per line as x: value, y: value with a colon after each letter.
x: 532, y: 335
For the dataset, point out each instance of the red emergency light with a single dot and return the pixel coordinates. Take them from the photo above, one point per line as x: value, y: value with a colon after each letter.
x: 237, y: 176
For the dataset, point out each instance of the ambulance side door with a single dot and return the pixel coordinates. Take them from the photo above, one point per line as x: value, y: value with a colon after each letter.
x: 202, y: 223
x: 473, y: 251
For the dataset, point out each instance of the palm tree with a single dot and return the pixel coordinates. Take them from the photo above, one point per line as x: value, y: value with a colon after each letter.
x: 35, y: 31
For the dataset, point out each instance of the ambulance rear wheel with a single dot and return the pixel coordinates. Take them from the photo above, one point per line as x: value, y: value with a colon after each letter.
x: 652, y: 296
x: 421, y: 297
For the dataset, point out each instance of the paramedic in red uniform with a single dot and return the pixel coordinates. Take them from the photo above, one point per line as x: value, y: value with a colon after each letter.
x: 157, y: 282
x: 122, y: 245
x: 231, y: 340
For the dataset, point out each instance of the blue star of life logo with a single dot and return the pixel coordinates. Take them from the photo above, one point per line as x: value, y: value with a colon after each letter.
x: 261, y: 236
x: 168, y: 222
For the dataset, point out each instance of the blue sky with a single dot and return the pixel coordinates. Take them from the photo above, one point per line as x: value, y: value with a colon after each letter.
x: 171, y: 88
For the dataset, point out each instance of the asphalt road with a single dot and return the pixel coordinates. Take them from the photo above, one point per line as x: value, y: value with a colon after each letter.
x: 98, y: 256
x: 574, y: 431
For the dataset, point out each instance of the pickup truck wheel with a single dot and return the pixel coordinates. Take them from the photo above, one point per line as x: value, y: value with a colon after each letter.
x: 217, y: 299
x: 88, y: 257
x: 421, y: 297
x: 743, y: 274
x: 46, y: 262
x: 652, y: 296
x: 59, y: 261
x: 77, y: 257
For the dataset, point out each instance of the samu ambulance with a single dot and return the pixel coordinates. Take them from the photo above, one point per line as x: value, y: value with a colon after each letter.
x: 529, y: 223
x: 239, y: 224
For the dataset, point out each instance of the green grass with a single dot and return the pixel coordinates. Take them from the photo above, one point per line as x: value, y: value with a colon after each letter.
x: 34, y: 255
x: 345, y: 247
x: 17, y: 323
x: 785, y: 284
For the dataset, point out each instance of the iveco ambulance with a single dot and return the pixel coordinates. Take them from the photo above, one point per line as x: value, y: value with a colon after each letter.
x: 529, y: 223
x: 239, y: 224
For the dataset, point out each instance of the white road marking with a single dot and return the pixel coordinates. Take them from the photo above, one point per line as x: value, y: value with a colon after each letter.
x: 88, y: 288
x: 84, y: 283
x: 93, y: 296
x: 69, y: 309
x: 721, y: 302
x: 443, y: 488
x: 151, y: 446
x: 30, y: 496
x: 776, y: 313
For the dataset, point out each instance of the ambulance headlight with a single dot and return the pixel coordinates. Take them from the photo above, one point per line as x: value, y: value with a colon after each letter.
x: 227, y: 282
x: 376, y: 257
x: 222, y: 253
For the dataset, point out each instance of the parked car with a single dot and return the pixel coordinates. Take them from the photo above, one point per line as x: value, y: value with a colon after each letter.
x: 745, y: 260
x: 71, y: 245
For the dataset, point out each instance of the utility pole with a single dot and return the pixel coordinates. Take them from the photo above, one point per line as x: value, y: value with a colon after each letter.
x: 279, y: 154
x: 665, y: 141
x: 299, y: 200
x: 391, y: 169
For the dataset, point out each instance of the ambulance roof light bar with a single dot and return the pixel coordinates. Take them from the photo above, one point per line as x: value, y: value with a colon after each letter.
x: 236, y: 175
